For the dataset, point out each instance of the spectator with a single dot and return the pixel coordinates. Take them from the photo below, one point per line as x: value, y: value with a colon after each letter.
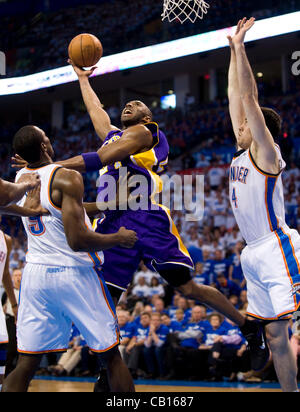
x: 69, y: 360
x: 172, y: 325
x: 235, y: 271
x: 155, y: 347
x: 228, y: 348
x: 145, y: 273
x: 220, y: 265
x: 191, y: 362
x: 226, y: 286
x: 156, y: 289
x: 141, y: 291
x: 200, y: 277
x: 159, y: 306
x: 135, y: 347
x: 126, y: 330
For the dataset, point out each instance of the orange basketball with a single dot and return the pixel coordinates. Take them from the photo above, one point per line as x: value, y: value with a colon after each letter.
x: 85, y: 50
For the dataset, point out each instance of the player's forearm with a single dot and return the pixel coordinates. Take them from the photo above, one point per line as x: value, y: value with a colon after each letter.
x: 11, y: 192
x: 247, y: 83
x: 89, y: 241
x: 90, y: 98
x: 15, y: 210
x: 134, y: 140
x: 233, y: 83
x: 74, y: 163
x: 98, y: 115
x: 91, y: 209
x: 110, y: 154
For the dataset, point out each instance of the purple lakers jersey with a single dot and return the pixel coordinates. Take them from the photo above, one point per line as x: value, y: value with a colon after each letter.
x: 150, y: 164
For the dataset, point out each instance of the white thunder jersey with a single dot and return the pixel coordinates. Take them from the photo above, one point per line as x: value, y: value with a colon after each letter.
x: 256, y: 197
x: 3, y: 257
x: 47, y: 243
x: 270, y: 261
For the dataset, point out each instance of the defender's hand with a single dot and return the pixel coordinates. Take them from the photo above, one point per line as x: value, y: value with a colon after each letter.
x: 128, y: 238
x: 31, y: 180
x: 18, y: 162
x: 80, y: 71
x: 242, y: 28
x: 33, y: 202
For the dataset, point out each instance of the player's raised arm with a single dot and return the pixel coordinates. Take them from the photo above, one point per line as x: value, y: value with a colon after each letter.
x: 68, y: 187
x: 236, y: 109
x: 263, y: 142
x: 98, y: 115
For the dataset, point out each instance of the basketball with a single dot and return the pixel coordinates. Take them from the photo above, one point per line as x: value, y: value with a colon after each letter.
x: 85, y: 50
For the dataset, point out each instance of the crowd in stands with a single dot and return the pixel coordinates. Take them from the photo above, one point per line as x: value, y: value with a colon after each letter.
x: 39, y: 42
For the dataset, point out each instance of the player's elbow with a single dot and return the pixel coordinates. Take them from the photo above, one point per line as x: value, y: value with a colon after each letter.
x: 3, y: 201
x: 75, y: 243
x: 75, y: 246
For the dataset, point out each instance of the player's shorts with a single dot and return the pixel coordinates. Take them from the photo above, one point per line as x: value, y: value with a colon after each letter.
x: 51, y: 298
x: 3, y: 330
x: 159, y: 245
x: 272, y: 270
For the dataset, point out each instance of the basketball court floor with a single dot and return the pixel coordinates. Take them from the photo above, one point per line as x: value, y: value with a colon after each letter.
x: 49, y: 384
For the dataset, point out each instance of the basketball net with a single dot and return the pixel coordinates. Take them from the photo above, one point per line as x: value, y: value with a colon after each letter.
x: 184, y: 10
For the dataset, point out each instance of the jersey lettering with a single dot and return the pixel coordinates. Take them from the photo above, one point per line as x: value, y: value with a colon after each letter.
x: 239, y: 174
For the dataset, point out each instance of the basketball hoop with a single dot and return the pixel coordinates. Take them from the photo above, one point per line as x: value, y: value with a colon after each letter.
x: 184, y: 10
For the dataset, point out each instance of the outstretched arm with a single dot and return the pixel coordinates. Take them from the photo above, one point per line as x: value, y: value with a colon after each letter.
x: 98, y: 115
x: 263, y: 147
x: 13, y: 192
x: 69, y: 185
x: 236, y: 108
x: 32, y: 206
x: 134, y: 139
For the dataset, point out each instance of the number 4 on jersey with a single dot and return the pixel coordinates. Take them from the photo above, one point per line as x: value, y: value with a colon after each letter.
x: 234, y: 198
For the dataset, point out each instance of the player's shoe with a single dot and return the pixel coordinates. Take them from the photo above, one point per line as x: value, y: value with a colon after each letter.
x: 259, y: 351
x: 102, y: 382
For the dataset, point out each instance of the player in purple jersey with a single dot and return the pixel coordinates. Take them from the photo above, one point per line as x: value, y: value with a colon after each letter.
x: 143, y: 149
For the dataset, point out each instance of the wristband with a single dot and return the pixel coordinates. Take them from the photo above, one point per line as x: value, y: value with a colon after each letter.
x: 92, y: 162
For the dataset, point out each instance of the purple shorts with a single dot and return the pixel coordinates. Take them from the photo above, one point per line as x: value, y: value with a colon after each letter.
x: 159, y: 245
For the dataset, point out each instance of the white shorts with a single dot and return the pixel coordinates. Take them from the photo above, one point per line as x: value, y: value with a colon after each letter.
x: 3, y: 330
x: 51, y: 298
x: 272, y: 270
